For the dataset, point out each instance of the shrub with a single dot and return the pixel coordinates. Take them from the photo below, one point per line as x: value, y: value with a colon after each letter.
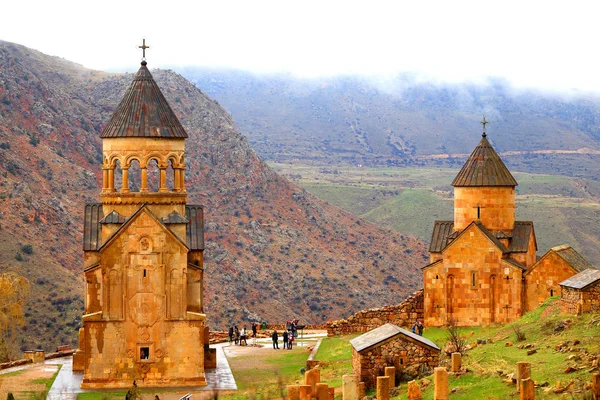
x: 519, y: 333
x: 27, y: 249
x: 458, y: 343
x: 18, y: 257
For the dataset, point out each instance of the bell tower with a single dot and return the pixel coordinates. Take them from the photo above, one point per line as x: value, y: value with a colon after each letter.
x: 484, y: 190
x: 143, y: 253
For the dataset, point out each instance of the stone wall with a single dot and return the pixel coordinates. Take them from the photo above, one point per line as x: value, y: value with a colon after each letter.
x: 411, y: 359
x: 403, y: 315
x: 574, y: 301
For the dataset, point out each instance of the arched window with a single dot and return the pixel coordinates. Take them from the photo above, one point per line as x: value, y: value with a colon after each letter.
x: 153, y: 175
x: 117, y: 176
x: 171, y: 176
x: 135, y: 176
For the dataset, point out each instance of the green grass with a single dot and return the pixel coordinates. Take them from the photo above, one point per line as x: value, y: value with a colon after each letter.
x: 563, y: 209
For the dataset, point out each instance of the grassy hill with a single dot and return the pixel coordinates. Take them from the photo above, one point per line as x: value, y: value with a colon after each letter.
x: 563, y: 209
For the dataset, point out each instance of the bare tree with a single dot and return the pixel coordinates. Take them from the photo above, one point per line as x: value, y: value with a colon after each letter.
x: 458, y: 343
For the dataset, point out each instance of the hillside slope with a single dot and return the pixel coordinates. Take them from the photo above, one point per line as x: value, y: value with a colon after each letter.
x: 273, y: 251
x: 404, y: 121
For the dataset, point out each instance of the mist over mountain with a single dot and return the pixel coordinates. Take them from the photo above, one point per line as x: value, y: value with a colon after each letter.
x: 403, y: 120
x: 273, y: 251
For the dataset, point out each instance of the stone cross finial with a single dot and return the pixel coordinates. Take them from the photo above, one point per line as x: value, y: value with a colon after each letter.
x: 484, y: 122
x: 144, y: 47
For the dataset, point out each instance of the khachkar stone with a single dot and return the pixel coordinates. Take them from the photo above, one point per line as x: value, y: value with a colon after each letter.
x: 440, y: 383
x: 383, y: 388
x: 350, y: 387
x: 143, y: 254
x: 414, y: 391
x: 361, y: 390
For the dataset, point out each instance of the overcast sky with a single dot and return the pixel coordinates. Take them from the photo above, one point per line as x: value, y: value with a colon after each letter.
x: 542, y: 44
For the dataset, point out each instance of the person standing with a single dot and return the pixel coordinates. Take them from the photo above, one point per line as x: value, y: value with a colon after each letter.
x: 230, y: 335
x: 420, y: 328
x: 237, y: 335
x: 285, y: 339
x: 243, y: 336
x: 254, y: 329
x: 275, y: 338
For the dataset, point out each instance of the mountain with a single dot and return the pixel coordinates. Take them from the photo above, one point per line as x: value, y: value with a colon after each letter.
x: 273, y: 251
x: 404, y: 121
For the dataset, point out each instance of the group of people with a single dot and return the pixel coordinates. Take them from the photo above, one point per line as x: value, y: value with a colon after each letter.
x: 418, y: 328
x: 290, y: 333
x: 240, y: 336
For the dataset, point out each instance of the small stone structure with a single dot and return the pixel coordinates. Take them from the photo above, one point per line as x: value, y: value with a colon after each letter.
x: 581, y: 293
x: 390, y: 345
x: 403, y: 314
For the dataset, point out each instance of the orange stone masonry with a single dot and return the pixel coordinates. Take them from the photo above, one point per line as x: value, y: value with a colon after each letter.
x: 143, y: 261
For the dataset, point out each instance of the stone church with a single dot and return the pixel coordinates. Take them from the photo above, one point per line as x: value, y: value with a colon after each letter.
x: 483, y: 265
x: 143, y: 254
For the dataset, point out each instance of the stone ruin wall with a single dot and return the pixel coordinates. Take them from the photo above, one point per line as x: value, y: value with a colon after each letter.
x: 409, y: 357
x: 403, y: 315
x: 574, y: 301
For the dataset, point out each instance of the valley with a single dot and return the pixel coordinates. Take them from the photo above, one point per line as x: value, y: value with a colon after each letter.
x: 563, y: 209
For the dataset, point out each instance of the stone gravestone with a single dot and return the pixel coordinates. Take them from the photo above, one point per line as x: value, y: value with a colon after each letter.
x: 350, y: 387
x: 293, y: 392
x: 383, y: 388
x: 305, y: 392
x: 527, y: 389
x: 391, y: 373
x: 322, y: 391
x: 523, y: 372
x: 456, y: 362
x: 312, y: 377
x: 414, y: 391
x: 440, y: 381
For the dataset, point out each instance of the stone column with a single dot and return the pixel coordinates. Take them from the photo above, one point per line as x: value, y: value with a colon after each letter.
x: 391, y: 373
x: 163, y: 180
x: 383, y: 388
x: 440, y: 381
x: 105, y: 178
x: 305, y: 392
x: 111, y: 179
x: 523, y: 372
x: 125, y: 180
x: 349, y: 387
x: 414, y: 391
x: 312, y: 377
x: 322, y: 390
x: 176, y: 174
x: 456, y: 362
x: 596, y: 386
x: 144, y: 184
x: 293, y: 392
x: 182, y: 178
x: 361, y: 390
x: 527, y: 389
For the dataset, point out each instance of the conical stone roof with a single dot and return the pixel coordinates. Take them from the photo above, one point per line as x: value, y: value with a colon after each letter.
x: 144, y: 112
x: 484, y: 168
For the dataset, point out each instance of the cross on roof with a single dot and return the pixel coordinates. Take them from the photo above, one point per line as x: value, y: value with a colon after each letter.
x: 484, y: 122
x: 144, y: 47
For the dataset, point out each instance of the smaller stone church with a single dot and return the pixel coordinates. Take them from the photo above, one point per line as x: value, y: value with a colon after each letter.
x: 483, y: 264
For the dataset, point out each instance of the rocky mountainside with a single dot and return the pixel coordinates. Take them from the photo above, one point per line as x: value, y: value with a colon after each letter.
x: 404, y: 121
x: 273, y: 251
